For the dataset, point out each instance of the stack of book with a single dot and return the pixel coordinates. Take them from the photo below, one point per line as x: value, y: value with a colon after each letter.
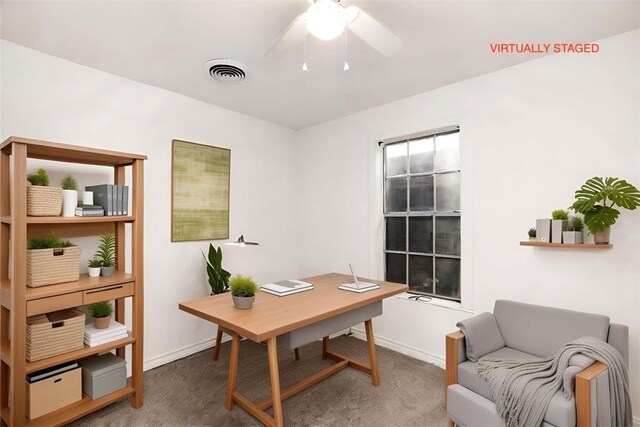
x: 286, y: 287
x: 89, y: 210
x: 114, y: 199
x: 94, y: 337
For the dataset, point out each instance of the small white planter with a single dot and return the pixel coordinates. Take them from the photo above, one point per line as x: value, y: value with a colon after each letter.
x: 69, y: 202
x: 572, y: 237
x: 558, y: 226
x: 94, y: 271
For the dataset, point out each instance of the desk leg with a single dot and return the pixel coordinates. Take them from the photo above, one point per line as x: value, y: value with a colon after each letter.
x: 373, y: 360
x: 325, y: 347
x: 233, y: 369
x: 275, y: 382
x: 216, y: 351
x: 297, y: 354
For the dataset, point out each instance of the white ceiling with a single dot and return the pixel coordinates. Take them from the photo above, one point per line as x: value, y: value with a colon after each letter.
x: 165, y: 43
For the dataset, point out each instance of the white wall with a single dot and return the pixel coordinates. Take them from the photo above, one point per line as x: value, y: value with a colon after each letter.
x: 531, y: 135
x: 48, y: 98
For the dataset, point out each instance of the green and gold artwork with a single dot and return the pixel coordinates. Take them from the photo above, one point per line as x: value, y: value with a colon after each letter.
x: 200, y: 193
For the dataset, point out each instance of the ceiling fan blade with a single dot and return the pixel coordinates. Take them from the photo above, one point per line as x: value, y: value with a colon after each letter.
x: 291, y: 37
x: 372, y: 32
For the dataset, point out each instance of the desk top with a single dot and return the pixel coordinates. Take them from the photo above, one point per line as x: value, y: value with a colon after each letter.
x: 272, y: 315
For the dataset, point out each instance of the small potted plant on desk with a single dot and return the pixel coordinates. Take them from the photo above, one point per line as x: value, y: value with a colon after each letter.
x: 107, y: 254
x: 101, y: 312
x: 94, y: 267
x: 243, y: 291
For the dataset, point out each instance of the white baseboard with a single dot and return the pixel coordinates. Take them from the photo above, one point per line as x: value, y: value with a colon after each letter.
x: 181, y: 353
x: 403, y: 349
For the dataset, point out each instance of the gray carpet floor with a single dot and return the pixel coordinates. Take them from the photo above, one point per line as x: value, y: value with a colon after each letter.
x: 191, y: 391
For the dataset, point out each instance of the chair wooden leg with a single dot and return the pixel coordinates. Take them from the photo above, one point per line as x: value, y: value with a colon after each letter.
x: 325, y: 347
x: 233, y: 369
x: 373, y: 359
x: 274, y: 372
x: 297, y: 353
x: 216, y: 350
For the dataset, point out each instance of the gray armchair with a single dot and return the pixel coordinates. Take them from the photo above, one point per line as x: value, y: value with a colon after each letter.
x: 525, y: 331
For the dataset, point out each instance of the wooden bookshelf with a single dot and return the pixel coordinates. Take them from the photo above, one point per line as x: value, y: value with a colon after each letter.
x: 17, y: 300
x: 586, y: 246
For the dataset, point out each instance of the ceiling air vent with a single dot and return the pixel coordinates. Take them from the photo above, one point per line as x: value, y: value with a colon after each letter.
x: 226, y: 70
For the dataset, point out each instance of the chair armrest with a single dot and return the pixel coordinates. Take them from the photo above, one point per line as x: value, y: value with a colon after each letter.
x: 584, y: 383
x: 454, y: 355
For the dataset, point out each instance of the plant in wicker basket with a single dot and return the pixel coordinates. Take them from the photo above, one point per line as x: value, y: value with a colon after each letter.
x: 101, y: 312
x: 42, y: 200
x: 107, y: 254
x: 51, y: 260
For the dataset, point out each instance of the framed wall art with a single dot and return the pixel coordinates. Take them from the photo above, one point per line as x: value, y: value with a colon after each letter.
x: 200, y: 178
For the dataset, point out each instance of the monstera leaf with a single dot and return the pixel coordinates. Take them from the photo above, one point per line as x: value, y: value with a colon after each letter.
x: 598, y: 196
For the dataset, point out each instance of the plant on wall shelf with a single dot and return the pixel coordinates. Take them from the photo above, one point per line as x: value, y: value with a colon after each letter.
x: 218, y: 276
x: 560, y: 214
x: 69, y: 183
x: 69, y: 196
x: 532, y: 234
x: 573, y: 234
x: 597, y: 200
x: 576, y: 223
x: 40, y: 178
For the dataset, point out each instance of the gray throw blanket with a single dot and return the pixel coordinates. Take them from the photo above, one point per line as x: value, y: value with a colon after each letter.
x: 522, y: 389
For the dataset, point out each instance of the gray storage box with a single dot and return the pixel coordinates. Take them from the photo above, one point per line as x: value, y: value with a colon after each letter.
x: 103, y: 374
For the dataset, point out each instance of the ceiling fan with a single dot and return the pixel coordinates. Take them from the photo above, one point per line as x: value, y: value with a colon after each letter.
x: 327, y: 19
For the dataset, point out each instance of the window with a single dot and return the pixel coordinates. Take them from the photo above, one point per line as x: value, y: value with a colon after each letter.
x: 422, y: 213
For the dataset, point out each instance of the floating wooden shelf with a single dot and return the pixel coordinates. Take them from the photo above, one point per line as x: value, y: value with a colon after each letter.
x: 76, y: 410
x: 82, y: 284
x: 67, y: 357
x: 564, y: 245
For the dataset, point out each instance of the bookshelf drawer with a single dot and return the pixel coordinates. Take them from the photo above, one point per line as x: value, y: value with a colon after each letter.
x: 60, y: 302
x: 108, y: 293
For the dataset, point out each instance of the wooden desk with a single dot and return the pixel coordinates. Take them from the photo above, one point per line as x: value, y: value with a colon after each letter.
x: 273, y: 316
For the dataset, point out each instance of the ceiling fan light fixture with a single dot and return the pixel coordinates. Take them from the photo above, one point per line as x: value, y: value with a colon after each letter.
x: 326, y: 19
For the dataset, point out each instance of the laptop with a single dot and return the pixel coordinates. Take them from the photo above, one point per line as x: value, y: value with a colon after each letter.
x: 358, y: 286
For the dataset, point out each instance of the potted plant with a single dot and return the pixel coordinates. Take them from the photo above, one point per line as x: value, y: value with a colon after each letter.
x: 101, y: 312
x: 94, y: 267
x: 574, y: 233
x: 69, y: 195
x: 559, y: 223
x: 106, y: 254
x: 218, y: 276
x: 597, y: 200
x: 42, y: 200
x: 532, y: 234
x: 51, y: 261
x: 243, y: 291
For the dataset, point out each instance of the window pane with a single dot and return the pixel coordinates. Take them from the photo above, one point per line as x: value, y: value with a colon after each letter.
x: 421, y: 234
x: 396, y: 195
x: 396, y: 268
x: 421, y: 197
x: 396, y: 159
x: 396, y: 234
x: 421, y: 155
x: 448, y: 277
x: 448, y: 152
x: 421, y: 273
x: 448, y: 235
x: 448, y: 192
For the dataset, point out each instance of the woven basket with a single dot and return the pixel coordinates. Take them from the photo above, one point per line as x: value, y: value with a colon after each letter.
x: 54, y: 333
x: 44, y: 201
x: 51, y: 266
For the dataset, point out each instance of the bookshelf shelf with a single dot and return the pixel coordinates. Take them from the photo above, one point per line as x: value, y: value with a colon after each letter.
x: 18, y: 301
x: 586, y: 246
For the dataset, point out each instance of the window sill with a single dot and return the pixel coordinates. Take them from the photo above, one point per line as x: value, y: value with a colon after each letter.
x: 438, y: 302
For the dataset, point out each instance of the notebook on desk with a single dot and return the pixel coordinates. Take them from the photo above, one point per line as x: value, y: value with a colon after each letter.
x: 286, y: 287
x: 358, y: 286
